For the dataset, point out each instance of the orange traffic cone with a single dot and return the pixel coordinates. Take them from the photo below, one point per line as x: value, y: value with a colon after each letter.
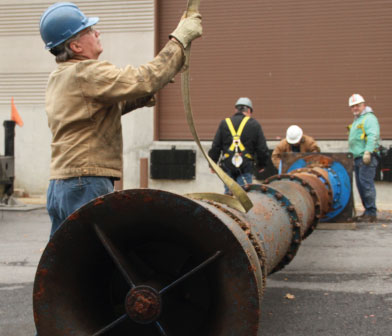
x: 15, y: 114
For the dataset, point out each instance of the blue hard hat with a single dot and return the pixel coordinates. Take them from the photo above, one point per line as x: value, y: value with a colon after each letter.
x: 62, y: 21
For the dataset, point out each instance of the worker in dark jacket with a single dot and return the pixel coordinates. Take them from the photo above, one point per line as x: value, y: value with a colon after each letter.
x: 239, y: 143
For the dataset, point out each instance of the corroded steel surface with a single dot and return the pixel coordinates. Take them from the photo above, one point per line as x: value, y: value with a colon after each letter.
x: 323, y: 195
x: 154, y: 237
x: 248, y: 228
x: 317, y: 160
x: 275, y: 222
x: 310, y: 193
x: 330, y: 163
x: 149, y: 262
x: 301, y: 200
x: 143, y: 304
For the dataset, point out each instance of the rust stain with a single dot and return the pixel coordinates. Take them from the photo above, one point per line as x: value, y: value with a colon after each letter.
x: 258, y: 209
x: 42, y: 272
x: 51, y: 245
x: 148, y: 198
x: 142, y: 305
x: 277, y: 252
x: 268, y: 215
x: 74, y: 216
x: 252, y: 268
x: 99, y: 201
x: 36, y: 318
x: 40, y: 293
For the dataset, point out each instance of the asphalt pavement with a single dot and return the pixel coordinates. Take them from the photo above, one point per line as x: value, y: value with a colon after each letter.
x: 340, y: 282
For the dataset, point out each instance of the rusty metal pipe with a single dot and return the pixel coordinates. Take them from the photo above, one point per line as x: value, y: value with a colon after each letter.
x: 150, y: 262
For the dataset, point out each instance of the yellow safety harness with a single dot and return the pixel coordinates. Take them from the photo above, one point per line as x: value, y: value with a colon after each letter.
x: 237, y: 144
x: 362, y: 127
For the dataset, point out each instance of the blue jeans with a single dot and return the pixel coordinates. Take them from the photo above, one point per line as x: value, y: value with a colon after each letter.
x: 66, y: 196
x: 241, y: 179
x: 364, y: 177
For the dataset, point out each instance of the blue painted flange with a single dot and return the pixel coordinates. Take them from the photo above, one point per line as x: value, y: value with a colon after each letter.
x: 340, y: 184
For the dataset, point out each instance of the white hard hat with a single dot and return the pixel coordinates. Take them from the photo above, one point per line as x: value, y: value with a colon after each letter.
x: 294, y: 134
x: 355, y: 99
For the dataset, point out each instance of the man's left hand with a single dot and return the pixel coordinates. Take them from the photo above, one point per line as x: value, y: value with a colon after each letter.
x: 367, y: 158
x: 188, y: 29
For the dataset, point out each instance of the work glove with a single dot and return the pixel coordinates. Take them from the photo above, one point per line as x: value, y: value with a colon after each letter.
x: 367, y: 157
x: 188, y: 29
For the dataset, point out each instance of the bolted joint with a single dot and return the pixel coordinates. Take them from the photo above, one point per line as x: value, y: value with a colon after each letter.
x: 278, y: 196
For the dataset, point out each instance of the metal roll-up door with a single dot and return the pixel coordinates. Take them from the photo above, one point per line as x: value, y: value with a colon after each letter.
x: 298, y: 61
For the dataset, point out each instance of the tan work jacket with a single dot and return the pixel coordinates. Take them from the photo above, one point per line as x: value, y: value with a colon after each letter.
x: 307, y: 145
x: 84, y: 104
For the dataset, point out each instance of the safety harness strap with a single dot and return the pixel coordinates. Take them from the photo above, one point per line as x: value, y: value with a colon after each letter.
x: 236, y: 134
x: 362, y: 127
x: 242, y: 125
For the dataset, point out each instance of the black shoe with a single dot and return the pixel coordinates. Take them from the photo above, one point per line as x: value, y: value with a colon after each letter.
x: 367, y: 218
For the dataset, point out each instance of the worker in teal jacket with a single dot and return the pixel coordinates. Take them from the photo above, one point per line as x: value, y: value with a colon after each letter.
x: 363, y: 142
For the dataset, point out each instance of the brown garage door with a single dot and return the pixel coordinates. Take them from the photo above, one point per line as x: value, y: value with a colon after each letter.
x: 297, y: 60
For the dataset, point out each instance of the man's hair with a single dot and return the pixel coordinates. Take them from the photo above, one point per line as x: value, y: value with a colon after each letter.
x: 243, y: 108
x: 63, y: 52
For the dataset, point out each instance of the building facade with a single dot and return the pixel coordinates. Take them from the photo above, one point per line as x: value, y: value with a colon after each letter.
x: 298, y: 62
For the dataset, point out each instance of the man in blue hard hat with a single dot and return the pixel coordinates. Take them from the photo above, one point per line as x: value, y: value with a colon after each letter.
x: 239, y: 143
x: 85, y: 99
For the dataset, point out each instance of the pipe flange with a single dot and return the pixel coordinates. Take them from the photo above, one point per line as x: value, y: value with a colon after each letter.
x: 259, y: 248
x: 337, y: 188
x: 310, y: 190
x: 285, y: 203
x: 322, y: 179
